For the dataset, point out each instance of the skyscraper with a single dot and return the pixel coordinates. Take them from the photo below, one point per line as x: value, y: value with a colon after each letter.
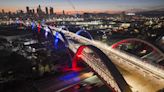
x: 33, y: 11
x: 63, y: 12
x: 27, y: 10
x: 39, y: 7
x: 39, y: 10
x: 3, y: 11
x: 46, y: 8
x: 51, y: 10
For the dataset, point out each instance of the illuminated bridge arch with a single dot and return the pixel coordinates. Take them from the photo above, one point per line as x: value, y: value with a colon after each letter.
x: 54, y: 35
x: 137, y: 40
x: 154, y: 55
x: 44, y: 33
x: 86, y: 32
x: 64, y: 28
x: 61, y: 36
x: 107, y: 71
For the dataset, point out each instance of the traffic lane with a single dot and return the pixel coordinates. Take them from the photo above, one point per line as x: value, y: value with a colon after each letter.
x: 138, y: 81
x: 91, y: 84
x: 53, y: 84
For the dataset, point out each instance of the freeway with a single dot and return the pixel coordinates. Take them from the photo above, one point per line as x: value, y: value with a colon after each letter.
x: 91, y: 84
x: 52, y: 84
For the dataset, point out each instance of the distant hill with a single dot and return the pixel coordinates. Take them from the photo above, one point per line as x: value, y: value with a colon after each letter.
x: 155, y: 12
x: 159, y: 9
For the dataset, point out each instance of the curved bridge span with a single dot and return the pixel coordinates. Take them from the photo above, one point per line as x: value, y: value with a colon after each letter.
x: 103, y: 66
x: 133, y: 66
x: 135, y: 71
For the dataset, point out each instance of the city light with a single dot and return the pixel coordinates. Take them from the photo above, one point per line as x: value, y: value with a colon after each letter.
x: 88, y: 47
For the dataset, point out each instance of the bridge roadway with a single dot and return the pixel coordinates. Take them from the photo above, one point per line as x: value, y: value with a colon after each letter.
x: 141, y: 76
x: 138, y: 81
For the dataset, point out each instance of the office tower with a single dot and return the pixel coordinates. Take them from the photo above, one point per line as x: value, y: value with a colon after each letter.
x: 63, y: 12
x: 3, y: 11
x: 39, y: 10
x: 33, y: 11
x: 51, y: 10
x: 46, y: 8
x: 27, y: 10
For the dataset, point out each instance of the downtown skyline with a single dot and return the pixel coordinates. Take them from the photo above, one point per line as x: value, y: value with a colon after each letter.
x: 79, y: 6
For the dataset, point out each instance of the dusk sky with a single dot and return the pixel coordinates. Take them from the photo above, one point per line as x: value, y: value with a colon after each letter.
x: 82, y: 5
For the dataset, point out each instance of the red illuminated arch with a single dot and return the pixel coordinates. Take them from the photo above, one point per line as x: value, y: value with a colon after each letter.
x: 124, y: 87
x: 39, y: 28
x: 138, y: 40
x: 77, y: 57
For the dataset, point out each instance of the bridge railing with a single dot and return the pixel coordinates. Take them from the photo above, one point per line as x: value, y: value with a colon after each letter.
x: 158, y: 71
x: 135, y: 60
x: 151, y: 68
x: 143, y: 60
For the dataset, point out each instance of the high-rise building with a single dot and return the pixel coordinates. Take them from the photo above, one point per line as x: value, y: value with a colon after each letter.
x: 27, y: 9
x: 51, y: 10
x: 33, y: 11
x: 39, y: 7
x: 3, y: 11
x: 46, y: 8
x: 123, y: 15
x: 63, y: 12
x: 39, y: 10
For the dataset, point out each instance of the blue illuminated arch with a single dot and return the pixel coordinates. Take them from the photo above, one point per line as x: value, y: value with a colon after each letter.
x: 84, y: 31
x: 66, y: 44
x: 17, y: 21
x: 56, y: 39
x: 64, y: 28
x: 33, y: 25
x: 47, y: 30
